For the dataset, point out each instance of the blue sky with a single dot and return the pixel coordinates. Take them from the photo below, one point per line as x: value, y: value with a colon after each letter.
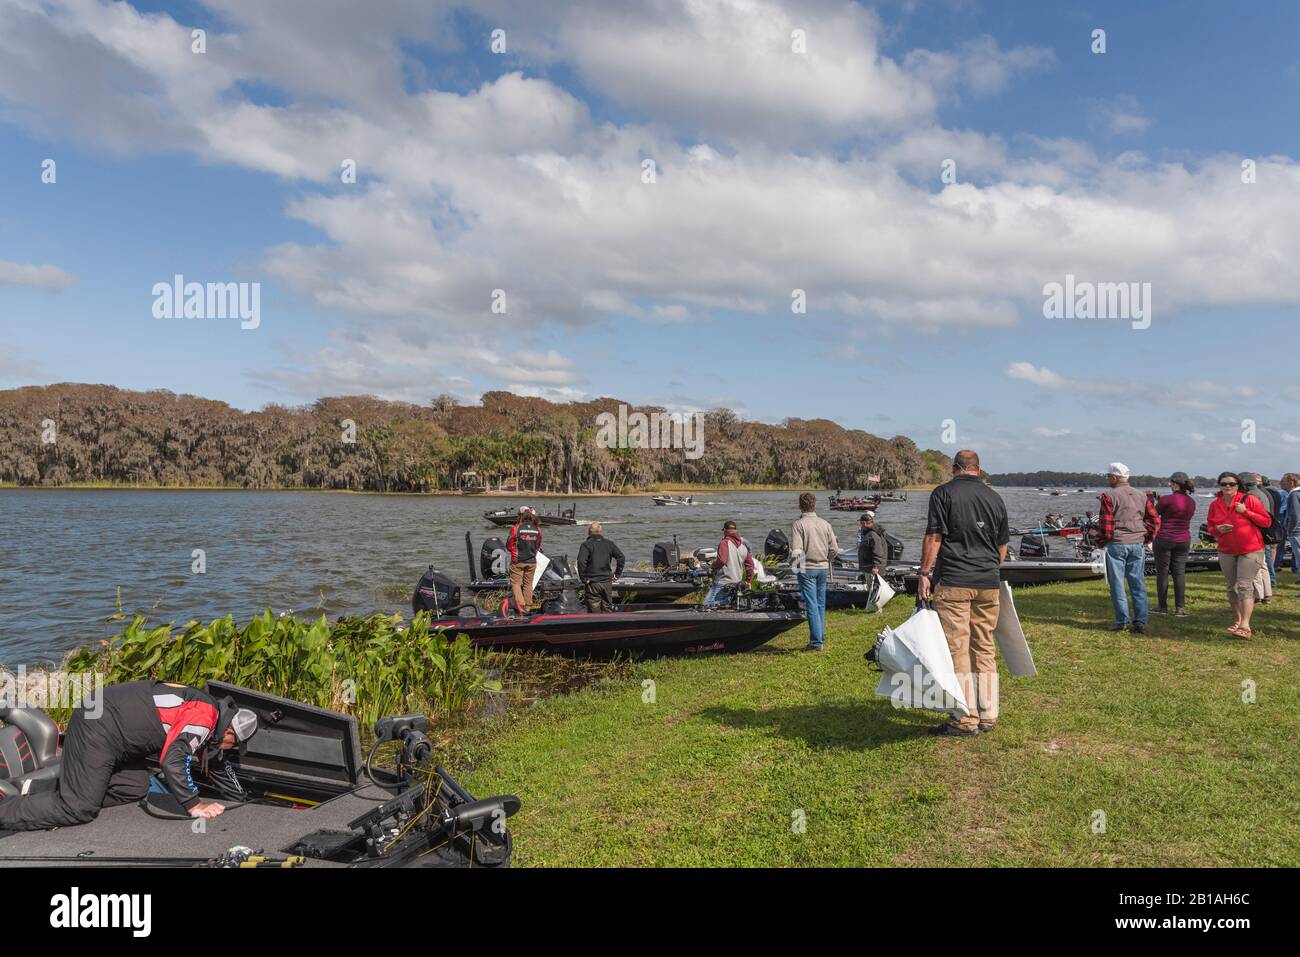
x: 776, y: 171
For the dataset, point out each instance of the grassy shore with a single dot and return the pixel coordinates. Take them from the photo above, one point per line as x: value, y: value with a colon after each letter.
x: 1151, y: 731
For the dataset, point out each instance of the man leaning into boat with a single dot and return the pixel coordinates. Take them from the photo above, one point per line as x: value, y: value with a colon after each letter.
x: 107, y: 752
x: 600, y: 561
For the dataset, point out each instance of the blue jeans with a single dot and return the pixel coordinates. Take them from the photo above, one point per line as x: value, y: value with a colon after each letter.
x: 812, y: 589
x: 1295, y: 554
x: 1127, y: 563
x: 1268, y: 563
x: 719, y: 595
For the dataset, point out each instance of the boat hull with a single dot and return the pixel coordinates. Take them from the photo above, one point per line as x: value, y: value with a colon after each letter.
x: 689, y: 631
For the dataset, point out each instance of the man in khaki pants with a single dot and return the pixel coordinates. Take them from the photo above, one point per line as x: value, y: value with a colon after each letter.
x: 966, y: 537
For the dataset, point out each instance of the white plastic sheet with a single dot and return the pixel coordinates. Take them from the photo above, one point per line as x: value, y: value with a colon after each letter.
x: 916, y: 666
x: 883, y: 594
x: 540, y: 570
x: 1011, y: 637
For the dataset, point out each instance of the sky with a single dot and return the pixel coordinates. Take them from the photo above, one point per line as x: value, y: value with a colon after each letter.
x: 917, y: 172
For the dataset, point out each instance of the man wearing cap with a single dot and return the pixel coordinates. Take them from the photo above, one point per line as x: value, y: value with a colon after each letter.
x: 524, y: 544
x: 1126, y: 523
x: 873, y: 549
x: 108, y: 750
x: 813, y: 548
x: 966, y: 536
x: 734, y: 563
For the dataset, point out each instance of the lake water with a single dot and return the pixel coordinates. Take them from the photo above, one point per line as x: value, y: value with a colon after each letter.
x: 64, y: 553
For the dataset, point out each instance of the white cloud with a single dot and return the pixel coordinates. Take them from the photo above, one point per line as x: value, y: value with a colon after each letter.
x: 43, y: 277
x: 1046, y: 433
x: 513, y: 185
x: 1120, y: 116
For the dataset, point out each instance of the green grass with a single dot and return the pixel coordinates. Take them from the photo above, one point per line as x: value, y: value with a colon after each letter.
x: 1152, y: 731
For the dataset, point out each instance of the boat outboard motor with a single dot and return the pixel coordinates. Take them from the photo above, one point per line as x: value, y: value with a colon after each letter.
x: 494, y: 559
x: 777, y: 545
x: 664, y: 556
x: 705, y: 556
x: 1205, y: 535
x: 894, y: 547
x: 562, y: 599
x: 437, y: 594
x: 1034, y: 546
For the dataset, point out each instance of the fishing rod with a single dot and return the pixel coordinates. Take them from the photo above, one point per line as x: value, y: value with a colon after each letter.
x: 237, y: 857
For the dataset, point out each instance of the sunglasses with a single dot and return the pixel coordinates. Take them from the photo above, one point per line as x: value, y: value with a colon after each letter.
x: 1227, y: 485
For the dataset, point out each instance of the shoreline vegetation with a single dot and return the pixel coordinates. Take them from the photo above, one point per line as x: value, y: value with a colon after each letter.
x: 71, y: 433
x: 1155, y: 731
x: 667, y: 489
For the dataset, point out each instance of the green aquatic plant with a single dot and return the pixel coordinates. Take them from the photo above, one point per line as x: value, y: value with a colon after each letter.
x: 363, y: 666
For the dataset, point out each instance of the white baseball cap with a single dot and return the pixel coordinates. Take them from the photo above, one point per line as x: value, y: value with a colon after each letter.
x: 1119, y: 469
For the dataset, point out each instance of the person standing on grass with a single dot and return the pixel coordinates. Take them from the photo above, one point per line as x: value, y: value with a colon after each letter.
x: 1256, y: 486
x: 600, y: 561
x: 1173, y: 542
x: 1291, y: 521
x: 1236, y: 521
x: 734, y: 564
x: 966, y: 535
x: 524, y: 544
x: 1126, y: 523
x: 873, y: 549
x: 813, y: 548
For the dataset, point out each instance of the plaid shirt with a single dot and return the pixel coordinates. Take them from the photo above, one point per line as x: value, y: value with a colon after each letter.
x: 1106, y: 521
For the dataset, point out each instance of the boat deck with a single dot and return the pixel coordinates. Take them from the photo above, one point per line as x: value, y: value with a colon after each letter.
x: 130, y: 831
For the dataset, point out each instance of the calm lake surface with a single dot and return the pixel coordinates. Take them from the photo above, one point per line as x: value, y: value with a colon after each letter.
x: 64, y: 553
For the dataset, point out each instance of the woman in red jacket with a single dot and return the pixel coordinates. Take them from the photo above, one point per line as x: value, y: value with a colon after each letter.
x: 1235, y: 521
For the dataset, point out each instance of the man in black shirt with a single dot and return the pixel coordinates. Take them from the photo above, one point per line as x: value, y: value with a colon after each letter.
x: 596, y: 557
x: 966, y: 537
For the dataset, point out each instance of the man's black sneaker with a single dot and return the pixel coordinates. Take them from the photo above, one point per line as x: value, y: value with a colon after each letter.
x: 1182, y: 613
x: 1139, y: 629
x: 1118, y: 627
x: 950, y: 730
x: 1159, y: 611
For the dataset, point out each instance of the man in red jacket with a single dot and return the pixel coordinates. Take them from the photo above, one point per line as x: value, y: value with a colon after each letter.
x: 107, y: 754
x: 524, y: 544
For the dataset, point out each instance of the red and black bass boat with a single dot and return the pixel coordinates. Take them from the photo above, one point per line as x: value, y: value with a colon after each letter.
x: 750, y: 619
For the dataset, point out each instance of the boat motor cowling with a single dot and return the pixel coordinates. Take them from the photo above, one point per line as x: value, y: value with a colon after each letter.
x: 494, y: 559
x: 895, y: 547
x: 664, y: 556
x: 436, y: 593
x: 777, y: 545
x: 1034, y: 546
x: 562, y: 600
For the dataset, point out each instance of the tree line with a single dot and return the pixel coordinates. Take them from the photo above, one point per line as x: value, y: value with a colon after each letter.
x: 1048, y: 479
x: 74, y: 433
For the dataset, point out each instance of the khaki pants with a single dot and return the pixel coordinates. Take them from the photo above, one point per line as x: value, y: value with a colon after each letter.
x: 968, y: 616
x: 521, y: 584
x: 1243, y: 574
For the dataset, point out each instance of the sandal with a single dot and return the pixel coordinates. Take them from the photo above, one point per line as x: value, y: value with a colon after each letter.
x: 1243, y: 633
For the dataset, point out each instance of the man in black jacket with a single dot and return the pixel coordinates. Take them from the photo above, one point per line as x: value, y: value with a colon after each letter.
x: 597, y: 556
x: 873, y: 550
x: 108, y: 749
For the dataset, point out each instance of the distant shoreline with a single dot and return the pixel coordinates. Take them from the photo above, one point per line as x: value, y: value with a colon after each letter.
x: 653, y: 490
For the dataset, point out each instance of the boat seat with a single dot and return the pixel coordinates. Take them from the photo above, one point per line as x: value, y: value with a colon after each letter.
x: 29, y: 751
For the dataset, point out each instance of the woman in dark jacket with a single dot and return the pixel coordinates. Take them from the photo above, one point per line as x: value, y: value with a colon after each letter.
x: 1174, y: 541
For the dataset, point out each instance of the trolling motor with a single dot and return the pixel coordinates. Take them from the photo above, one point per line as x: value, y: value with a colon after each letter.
x: 408, y: 729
